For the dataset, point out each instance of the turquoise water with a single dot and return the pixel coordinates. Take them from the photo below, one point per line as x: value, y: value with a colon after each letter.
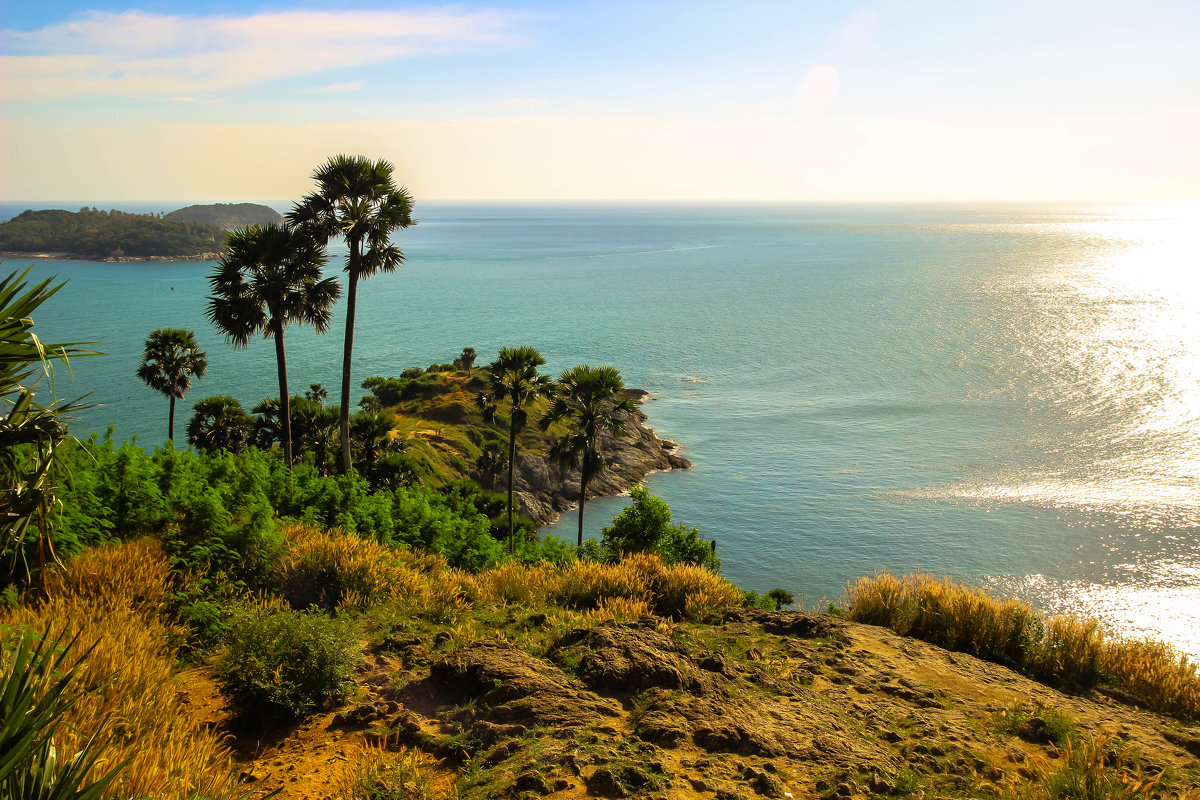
x: 1005, y: 395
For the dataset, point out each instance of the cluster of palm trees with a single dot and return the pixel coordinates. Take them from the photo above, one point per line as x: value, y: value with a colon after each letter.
x: 588, y: 401
x: 271, y: 276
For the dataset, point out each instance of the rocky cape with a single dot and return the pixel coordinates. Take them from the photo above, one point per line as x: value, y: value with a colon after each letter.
x: 543, y: 489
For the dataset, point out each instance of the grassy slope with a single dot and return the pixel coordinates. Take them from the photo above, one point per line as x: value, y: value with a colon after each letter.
x: 444, y: 428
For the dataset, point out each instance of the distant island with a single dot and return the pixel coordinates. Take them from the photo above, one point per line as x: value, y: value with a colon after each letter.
x: 226, y: 215
x: 196, y: 232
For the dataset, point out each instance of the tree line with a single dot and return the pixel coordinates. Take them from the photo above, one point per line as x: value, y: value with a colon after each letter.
x: 107, y: 234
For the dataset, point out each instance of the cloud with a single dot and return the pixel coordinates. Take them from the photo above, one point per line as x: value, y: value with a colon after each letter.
x: 820, y: 86
x: 136, y: 53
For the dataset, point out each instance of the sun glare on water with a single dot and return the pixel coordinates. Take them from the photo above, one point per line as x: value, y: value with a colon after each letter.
x: 1104, y: 337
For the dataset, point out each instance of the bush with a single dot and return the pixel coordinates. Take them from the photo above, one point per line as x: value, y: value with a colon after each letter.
x: 283, y: 665
x: 336, y: 569
x: 645, y: 527
x: 1061, y: 651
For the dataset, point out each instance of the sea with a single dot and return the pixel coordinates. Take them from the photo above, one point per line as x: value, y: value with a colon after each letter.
x: 1006, y: 395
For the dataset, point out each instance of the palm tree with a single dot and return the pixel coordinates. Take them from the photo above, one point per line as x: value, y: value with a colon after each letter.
x: 491, y: 462
x: 370, y: 431
x: 590, y: 401
x: 270, y: 276
x: 220, y: 423
x: 171, y: 359
x: 514, y: 381
x: 356, y: 199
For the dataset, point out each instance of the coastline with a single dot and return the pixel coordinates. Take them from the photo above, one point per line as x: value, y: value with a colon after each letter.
x: 5, y: 256
x: 544, y: 489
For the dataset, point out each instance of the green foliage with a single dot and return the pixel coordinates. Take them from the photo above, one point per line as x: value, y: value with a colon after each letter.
x: 390, y: 391
x: 226, y: 215
x: 781, y: 598
x: 218, y: 511
x: 644, y: 526
x: 32, y: 433
x: 220, y: 423
x: 283, y: 665
x: 1040, y: 724
x: 752, y: 599
x: 101, y: 234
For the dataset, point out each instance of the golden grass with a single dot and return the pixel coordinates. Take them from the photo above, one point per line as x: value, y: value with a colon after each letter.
x: 378, y: 772
x: 1154, y: 672
x: 638, y: 582
x: 108, y: 597
x: 340, y: 569
x: 1064, y: 650
x: 947, y: 614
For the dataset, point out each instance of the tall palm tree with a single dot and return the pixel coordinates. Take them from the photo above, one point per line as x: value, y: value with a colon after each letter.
x: 356, y: 199
x: 270, y: 276
x: 172, y: 358
x: 513, y: 381
x: 590, y: 401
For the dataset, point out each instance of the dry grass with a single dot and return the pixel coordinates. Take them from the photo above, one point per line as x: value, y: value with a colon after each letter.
x: 382, y: 774
x: 947, y: 614
x: 1061, y: 650
x: 1155, y: 673
x: 1096, y: 770
x: 637, y: 585
x: 108, y: 597
x: 340, y: 569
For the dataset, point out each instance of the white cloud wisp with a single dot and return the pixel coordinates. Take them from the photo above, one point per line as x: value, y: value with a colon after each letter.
x: 139, y: 54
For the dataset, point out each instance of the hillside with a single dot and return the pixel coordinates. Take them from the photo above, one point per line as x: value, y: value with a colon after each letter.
x: 445, y: 434
x: 579, y: 680
x: 103, y: 235
x: 746, y: 704
x: 226, y: 215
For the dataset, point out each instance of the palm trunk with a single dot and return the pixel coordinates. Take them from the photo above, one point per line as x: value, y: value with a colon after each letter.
x: 347, y: 353
x: 512, y: 460
x: 171, y: 421
x: 285, y: 401
x: 583, y: 479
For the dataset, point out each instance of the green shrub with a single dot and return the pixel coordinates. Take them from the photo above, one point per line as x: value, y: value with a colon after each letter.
x: 283, y: 665
x: 645, y: 527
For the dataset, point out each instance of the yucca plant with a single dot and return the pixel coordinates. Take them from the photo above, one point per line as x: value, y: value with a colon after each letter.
x: 33, y: 700
x: 31, y: 432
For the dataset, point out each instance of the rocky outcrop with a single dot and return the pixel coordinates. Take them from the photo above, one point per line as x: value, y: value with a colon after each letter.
x: 543, y: 489
x: 515, y: 686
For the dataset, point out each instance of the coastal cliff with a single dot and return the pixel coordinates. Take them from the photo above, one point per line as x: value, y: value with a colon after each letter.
x: 440, y: 428
x: 543, y: 489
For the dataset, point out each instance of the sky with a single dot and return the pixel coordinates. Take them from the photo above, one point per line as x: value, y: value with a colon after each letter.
x: 804, y: 100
